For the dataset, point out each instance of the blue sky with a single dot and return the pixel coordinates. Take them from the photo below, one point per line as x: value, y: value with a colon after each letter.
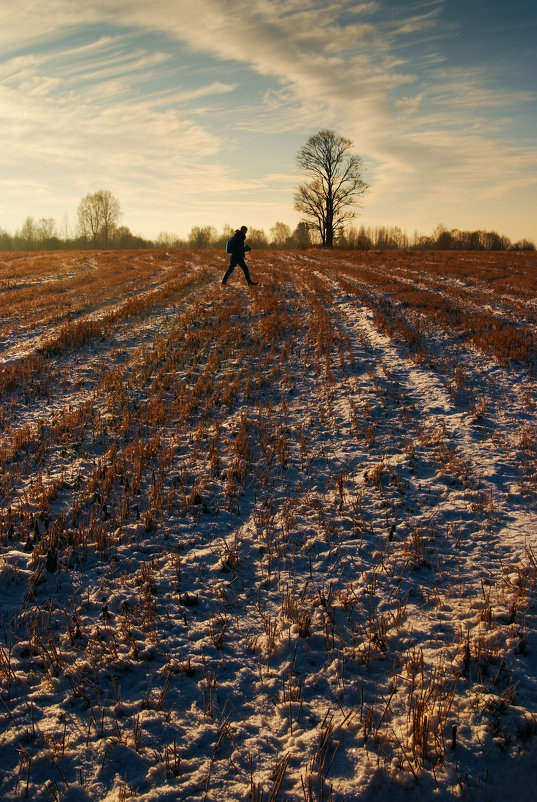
x: 191, y: 113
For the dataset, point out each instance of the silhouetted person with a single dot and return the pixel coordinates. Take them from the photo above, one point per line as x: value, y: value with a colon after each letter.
x: 237, y: 248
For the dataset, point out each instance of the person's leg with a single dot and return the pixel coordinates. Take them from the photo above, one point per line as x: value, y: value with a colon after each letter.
x: 231, y: 268
x: 245, y: 270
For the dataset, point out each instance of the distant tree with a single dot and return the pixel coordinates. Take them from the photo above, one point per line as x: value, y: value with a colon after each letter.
x: 167, y: 240
x: 6, y: 241
x: 124, y: 238
x: 204, y: 237
x: 363, y: 241
x: 66, y: 230
x: 46, y: 229
x: 472, y: 240
x: 302, y: 235
x: 257, y: 238
x: 358, y: 239
x: 28, y: 234
x: 98, y: 216
x: 444, y: 241
x: 226, y: 233
x: 423, y: 241
x: 388, y: 237
x: 524, y: 245
x: 334, y: 186
x: 492, y: 241
x: 46, y: 234
x: 280, y: 235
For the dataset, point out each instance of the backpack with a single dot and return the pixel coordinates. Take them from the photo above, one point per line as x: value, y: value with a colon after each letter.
x: 229, y: 244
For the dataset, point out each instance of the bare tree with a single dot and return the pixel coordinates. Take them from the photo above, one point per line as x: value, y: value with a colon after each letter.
x: 46, y: 229
x: 98, y: 216
x: 302, y: 235
x: 334, y: 184
x: 202, y: 237
x: 257, y: 238
x: 280, y: 235
x: 28, y: 233
x: 167, y: 240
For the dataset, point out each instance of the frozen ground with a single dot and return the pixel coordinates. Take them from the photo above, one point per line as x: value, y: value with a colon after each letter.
x: 272, y: 543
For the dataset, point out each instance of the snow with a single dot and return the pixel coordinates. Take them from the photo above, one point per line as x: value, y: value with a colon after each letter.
x: 260, y: 544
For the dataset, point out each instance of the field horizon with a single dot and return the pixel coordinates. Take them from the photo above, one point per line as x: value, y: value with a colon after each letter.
x: 268, y: 543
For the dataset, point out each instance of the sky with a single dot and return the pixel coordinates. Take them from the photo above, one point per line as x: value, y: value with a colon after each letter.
x: 192, y: 112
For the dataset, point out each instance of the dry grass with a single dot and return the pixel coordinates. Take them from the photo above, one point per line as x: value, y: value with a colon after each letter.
x: 257, y: 470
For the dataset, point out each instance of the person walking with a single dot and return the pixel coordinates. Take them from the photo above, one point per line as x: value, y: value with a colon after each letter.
x: 237, y: 247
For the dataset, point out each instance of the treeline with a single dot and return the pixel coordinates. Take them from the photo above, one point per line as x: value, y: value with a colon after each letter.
x: 385, y: 238
x: 44, y: 234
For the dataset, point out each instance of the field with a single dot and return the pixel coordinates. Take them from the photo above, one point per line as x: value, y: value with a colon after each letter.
x: 268, y: 543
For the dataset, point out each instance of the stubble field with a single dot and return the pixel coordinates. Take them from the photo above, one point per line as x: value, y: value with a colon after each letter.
x: 268, y: 543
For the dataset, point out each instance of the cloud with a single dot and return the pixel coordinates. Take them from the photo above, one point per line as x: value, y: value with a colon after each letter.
x: 188, y: 95
x: 84, y: 137
x: 30, y: 22
x: 92, y: 119
x: 159, y: 99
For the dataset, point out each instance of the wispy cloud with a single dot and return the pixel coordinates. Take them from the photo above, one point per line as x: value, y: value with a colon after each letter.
x: 158, y: 99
